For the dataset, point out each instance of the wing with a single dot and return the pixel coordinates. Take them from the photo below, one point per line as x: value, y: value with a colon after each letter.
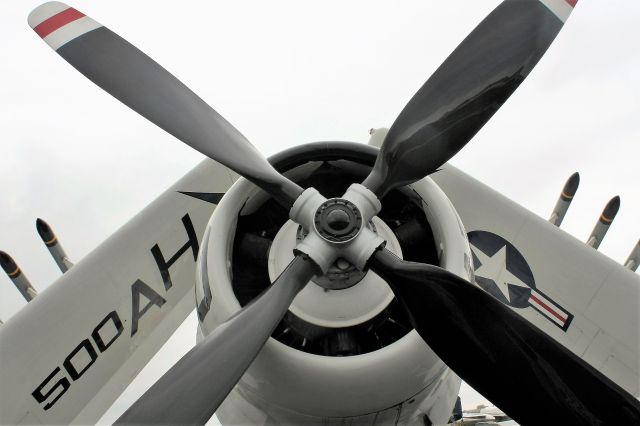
x: 580, y: 297
x: 68, y: 354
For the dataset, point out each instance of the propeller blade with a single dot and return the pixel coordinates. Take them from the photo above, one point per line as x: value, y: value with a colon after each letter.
x: 467, y: 89
x: 139, y: 82
x: 191, y: 391
x: 504, y: 357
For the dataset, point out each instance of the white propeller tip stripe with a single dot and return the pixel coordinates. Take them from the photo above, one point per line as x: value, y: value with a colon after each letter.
x: 71, y: 31
x: 561, y: 8
x: 44, y: 12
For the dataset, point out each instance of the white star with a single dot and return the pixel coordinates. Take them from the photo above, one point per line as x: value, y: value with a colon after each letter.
x: 495, y: 268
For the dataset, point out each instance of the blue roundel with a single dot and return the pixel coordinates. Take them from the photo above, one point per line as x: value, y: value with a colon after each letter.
x: 500, y: 269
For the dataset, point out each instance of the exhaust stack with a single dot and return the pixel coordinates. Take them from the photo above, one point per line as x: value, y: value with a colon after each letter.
x: 19, y: 280
x: 634, y: 258
x: 566, y: 196
x: 602, y: 226
x: 54, y: 246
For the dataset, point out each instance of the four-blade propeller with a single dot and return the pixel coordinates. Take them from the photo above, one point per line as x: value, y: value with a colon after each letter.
x: 452, y: 106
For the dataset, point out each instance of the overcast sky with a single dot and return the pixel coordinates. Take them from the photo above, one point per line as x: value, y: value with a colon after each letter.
x: 289, y: 72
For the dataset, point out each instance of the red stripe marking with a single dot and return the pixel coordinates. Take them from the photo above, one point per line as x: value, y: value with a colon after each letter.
x: 572, y: 3
x: 548, y: 309
x: 57, y: 21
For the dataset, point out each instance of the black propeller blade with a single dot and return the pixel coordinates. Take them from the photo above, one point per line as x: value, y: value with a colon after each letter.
x: 191, y: 391
x: 139, y: 82
x: 464, y: 93
x: 508, y: 360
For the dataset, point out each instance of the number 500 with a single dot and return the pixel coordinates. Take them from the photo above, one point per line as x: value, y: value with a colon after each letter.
x: 70, y: 363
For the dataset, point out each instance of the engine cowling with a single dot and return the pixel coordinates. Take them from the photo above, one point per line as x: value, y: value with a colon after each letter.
x: 346, y: 348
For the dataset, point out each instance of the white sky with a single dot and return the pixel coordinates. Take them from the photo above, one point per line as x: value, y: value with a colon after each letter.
x: 285, y: 73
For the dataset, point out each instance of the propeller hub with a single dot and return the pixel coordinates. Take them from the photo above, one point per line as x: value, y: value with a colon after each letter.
x: 340, y: 297
x: 338, y: 220
x: 336, y: 226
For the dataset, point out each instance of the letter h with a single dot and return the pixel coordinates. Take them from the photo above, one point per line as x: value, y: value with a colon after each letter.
x: 164, y: 265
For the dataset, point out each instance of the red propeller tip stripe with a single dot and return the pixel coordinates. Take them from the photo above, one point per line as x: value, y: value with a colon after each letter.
x: 57, y: 21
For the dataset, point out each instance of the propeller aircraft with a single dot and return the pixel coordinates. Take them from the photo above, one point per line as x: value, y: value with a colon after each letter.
x: 334, y: 282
